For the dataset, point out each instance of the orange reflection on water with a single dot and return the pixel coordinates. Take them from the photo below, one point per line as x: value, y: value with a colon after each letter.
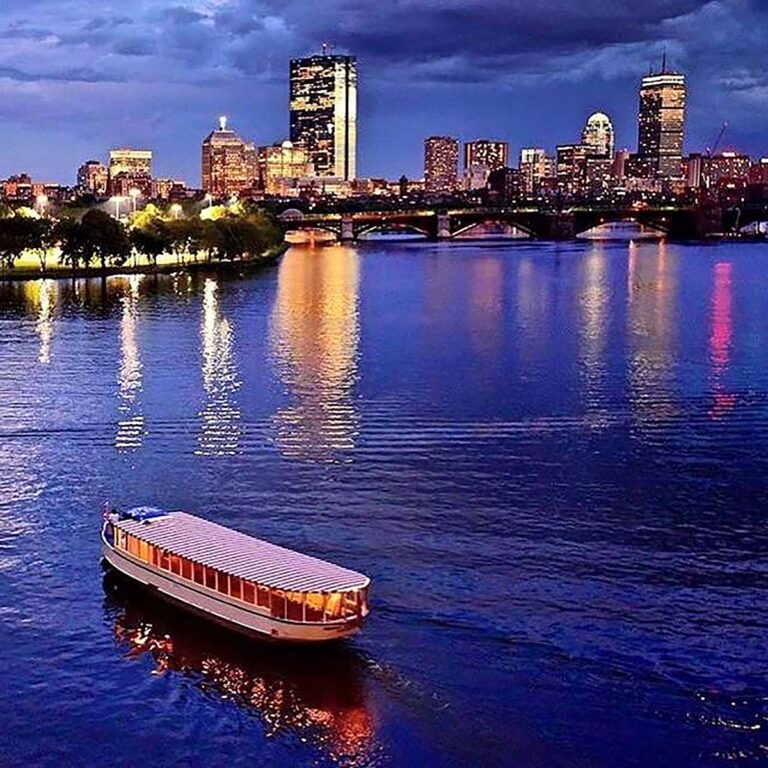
x: 652, y: 332
x: 721, y: 338
x: 315, y: 694
x: 314, y: 338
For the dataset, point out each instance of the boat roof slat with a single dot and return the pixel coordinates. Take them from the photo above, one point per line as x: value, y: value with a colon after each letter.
x: 241, y: 555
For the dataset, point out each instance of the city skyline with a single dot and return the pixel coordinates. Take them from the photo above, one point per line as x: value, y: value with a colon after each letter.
x: 101, y: 72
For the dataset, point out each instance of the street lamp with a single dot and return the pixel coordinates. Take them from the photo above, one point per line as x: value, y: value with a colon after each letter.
x: 116, y: 200
x: 135, y: 195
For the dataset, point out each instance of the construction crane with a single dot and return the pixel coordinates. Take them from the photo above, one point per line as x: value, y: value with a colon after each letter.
x: 711, y: 152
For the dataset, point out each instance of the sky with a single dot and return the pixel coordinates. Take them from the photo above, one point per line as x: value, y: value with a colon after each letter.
x: 80, y: 76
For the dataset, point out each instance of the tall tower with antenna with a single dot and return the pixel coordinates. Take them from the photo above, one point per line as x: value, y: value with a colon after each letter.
x: 661, y: 123
x: 323, y: 111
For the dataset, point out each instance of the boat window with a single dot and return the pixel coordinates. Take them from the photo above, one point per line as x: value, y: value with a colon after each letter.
x: 235, y: 587
x: 333, y: 607
x: 165, y: 562
x: 350, y: 604
x: 295, y: 606
x: 263, y: 597
x: 199, y: 573
x: 222, y: 582
x: 186, y: 568
x: 144, y: 550
x: 155, y: 555
x: 278, y: 603
x: 175, y: 564
x: 210, y: 578
x: 249, y: 592
x: 314, y: 603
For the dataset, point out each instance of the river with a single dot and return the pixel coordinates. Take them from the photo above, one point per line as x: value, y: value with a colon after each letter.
x: 551, y: 460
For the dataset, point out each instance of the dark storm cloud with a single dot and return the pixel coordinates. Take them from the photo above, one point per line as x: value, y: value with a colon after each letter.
x: 434, y: 55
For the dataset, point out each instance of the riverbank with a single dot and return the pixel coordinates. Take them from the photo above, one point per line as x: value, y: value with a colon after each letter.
x: 29, y: 268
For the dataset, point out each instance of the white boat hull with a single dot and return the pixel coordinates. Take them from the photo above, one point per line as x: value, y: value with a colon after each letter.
x: 218, y: 608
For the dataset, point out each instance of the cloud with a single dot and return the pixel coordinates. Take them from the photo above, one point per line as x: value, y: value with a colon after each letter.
x: 439, y: 52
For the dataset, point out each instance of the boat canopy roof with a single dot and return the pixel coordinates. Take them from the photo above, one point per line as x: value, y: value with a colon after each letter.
x: 238, y: 554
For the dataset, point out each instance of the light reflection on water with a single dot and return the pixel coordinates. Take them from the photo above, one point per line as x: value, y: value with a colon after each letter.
x: 652, y: 334
x: 130, y: 425
x: 220, y: 418
x: 558, y: 594
x: 317, y: 695
x: 314, y: 336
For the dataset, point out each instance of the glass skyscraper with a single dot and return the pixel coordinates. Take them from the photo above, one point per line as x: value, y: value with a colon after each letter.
x: 662, y: 124
x: 323, y: 104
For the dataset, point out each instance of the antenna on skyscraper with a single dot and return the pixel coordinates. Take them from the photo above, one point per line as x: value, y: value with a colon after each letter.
x: 664, y: 61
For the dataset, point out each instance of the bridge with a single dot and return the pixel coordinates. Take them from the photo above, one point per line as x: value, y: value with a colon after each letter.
x: 674, y: 222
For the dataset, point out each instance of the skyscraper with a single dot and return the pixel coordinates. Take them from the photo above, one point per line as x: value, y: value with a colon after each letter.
x: 323, y: 104
x: 130, y: 169
x: 491, y: 154
x: 229, y: 163
x: 598, y: 136
x: 534, y: 166
x: 661, y: 124
x: 441, y: 164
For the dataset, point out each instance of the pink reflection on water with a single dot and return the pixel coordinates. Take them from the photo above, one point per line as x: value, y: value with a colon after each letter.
x: 721, y: 339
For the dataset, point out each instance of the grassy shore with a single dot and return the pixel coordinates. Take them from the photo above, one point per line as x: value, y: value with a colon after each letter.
x: 28, y: 266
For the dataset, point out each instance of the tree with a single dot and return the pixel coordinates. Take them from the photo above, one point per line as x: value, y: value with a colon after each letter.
x: 18, y: 234
x: 96, y: 236
x: 68, y: 234
x: 105, y: 237
x: 152, y: 239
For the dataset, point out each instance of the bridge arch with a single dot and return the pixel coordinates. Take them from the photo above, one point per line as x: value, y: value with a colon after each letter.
x: 507, y: 224
x: 384, y: 226
x: 622, y: 225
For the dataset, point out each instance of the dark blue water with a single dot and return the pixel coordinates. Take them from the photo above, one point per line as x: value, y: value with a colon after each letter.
x: 552, y: 461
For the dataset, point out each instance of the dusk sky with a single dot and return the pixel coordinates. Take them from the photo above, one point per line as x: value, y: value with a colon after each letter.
x: 78, y: 77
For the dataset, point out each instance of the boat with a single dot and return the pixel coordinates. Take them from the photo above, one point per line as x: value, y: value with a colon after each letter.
x: 245, y: 583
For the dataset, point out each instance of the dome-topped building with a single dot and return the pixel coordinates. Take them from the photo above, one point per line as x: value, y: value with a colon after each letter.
x: 599, y: 136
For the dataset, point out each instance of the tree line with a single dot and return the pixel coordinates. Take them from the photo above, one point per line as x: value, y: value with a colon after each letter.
x: 99, y: 239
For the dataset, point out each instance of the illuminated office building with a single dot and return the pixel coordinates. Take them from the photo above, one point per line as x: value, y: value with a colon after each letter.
x: 661, y: 125
x: 441, y: 164
x: 491, y: 154
x: 229, y: 163
x: 130, y: 169
x: 281, y: 164
x: 572, y: 168
x: 93, y: 178
x: 598, y: 136
x: 534, y: 166
x: 323, y: 110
